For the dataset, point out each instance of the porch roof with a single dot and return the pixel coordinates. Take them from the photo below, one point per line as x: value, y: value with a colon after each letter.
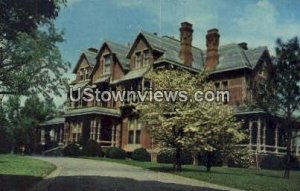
x: 93, y: 110
x: 54, y: 121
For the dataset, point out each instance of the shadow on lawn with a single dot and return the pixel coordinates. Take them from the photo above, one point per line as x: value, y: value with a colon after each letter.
x: 103, y: 183
x: 233, y: 173
x: 17, y: 182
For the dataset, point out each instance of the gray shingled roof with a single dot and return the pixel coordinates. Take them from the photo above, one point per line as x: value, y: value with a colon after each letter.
x: 90, y: 56
x: 54, y: 121
x: 136, y: 73
x: 171, y: 48
x: 93, y: 110
x: 231, y: 56
x: 80, y: 84
x: 121, y: 53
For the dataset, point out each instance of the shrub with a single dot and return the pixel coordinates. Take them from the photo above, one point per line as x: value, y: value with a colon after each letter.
x: 168, y: 156
x: 116, y: 153
x: 141, y: 154
x: 214, y: 158
x: 71, y: 150
x: 274, y: 162
x: 239, y: 159
x: 92, y: 148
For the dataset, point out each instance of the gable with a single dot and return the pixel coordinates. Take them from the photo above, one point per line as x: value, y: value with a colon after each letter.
x: 97, y: 70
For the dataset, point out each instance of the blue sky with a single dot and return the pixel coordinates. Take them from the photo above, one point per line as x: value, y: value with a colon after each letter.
x: 87, y: 23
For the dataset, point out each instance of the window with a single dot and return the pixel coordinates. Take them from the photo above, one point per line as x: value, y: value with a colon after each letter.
x: 81, y: 74
x: 262, y: 69
x: 138, y: 60
x: 217, y: 86
x: 134, y: 132
x: 225, y: 85
x: 87, y: 70
x: 107, y: 62
x: 146, y: 58
x: 147, y: 85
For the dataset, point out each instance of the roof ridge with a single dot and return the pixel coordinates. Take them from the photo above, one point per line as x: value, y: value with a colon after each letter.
x: 116, y: 43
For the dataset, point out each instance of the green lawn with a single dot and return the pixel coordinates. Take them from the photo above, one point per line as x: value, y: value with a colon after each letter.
x: 247, y: 179
x: 21, y: 172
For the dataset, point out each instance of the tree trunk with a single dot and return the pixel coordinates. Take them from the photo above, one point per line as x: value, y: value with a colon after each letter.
x: 177, y: 162
x: 288, y: 151
x: 208, y: 161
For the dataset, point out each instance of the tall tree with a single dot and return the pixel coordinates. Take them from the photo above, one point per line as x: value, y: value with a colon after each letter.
x: 30, y: 61
x: 280, y: 93
x: 21, y: 121
x: 188, y: 125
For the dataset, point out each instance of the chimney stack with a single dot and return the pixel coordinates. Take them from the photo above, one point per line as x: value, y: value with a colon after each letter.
x: 243, y: 45
x: 212, y: 45
x: 186, y: 37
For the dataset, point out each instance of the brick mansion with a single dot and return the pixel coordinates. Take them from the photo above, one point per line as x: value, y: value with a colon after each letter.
x: 234, y: 67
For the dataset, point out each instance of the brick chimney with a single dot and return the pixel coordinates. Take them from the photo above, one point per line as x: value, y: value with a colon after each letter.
x: 212, y: 45
x: 186, y: 37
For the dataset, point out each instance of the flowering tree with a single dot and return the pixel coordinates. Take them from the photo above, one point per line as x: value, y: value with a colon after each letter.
x: 186, y: 124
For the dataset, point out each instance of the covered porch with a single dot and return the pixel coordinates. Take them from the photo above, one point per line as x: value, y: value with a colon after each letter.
x: 97, y: 125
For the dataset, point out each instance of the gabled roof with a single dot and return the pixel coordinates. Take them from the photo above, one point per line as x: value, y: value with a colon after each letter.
x: 169, y: 47
x: 90, y: 57
x: 54, y: 121
x: 119, y: 50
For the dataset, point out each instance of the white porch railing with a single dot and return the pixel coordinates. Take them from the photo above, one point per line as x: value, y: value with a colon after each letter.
x: 271, y: 149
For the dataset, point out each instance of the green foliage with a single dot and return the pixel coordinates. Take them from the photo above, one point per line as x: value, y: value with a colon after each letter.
x: 71, y: 150
x: 168, y: 156
x: 209, y: 159
x: 272, y: 162
x: 21, y: 121
x: 184, y: 125
x: 280, y: 93
x: 26, y: 16
x: 240, y: 159
x: 92, y: 148
x: 141, y: 154
x: 116, y: 153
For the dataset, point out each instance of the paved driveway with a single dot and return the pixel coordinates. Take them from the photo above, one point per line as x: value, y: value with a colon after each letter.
x: 89, y: 175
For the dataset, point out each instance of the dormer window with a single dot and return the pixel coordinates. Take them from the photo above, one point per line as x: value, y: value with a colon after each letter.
x: 87, y: 73
x: 138, y: 60
x: 146, y: 58
x: 81, y: 74
x: 262, y: 69
x: 107, y: 63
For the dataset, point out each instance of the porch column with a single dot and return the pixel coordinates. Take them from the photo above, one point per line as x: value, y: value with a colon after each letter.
x: 91, y: 129
x: 66, y: 131
x: 118, y: 132
x: 250, y: 135
x: 264, y: 136
x: 42, y: 136
x: 276, y: 138
x: 60, y: 136
x: 113, y: 135
x: 258, y: 148
x: 98, y: 130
